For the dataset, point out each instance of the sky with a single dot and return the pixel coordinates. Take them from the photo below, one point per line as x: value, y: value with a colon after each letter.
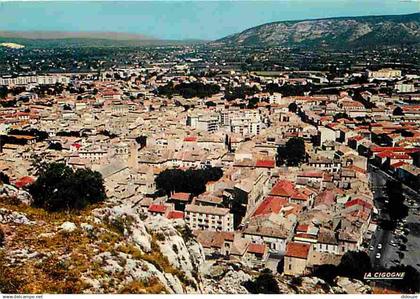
x: 207, y: 20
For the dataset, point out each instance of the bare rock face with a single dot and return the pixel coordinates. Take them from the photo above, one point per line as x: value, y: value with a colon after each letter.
x: 163, y: 251
x: 224, y: 278
x: 352, y: 286
x: 128, y: 222
x: 9, y: 191
x: 7, y: 216
x: 181, y: 249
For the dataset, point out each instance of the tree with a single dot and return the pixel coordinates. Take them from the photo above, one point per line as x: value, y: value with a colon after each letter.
x: 141, y: 140
x: 340, y: 115
x: 191, y: 180
x: 210, y: 104
x: 265, y: 283
x: 55, y: 146
x: 293, y: 153
x: 58, y: 187
x: 293, y: 107
x: 327, y: 272
x: 411, y: 281
x: 354, y: 264
x: 4, y: 178
x: 396, y: 208
x: 3, y: 92
x: 398, y: 111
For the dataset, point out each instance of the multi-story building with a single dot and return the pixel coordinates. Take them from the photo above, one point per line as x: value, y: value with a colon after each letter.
x: 208, y: 218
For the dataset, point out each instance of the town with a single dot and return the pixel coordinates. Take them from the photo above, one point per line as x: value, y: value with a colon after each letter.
x: 286, y: 168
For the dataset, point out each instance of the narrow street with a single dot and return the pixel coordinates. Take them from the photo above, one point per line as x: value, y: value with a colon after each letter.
x: 392, y: 255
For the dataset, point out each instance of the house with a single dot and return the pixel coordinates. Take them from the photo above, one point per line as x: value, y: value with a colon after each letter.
x: 296, y: 258
x: 327, y: 241
x: 208, y: 218
x: 180, y: 199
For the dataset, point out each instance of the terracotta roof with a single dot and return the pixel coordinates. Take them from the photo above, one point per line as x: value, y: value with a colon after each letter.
x: 190, y: 139
x: 175, y: 215
x: 302, y: 228
x: 257, y: 248
x: 270, y: 205
x: 283, y: 188
x: 181, y: 196
x: 297, y: 250
x: 24, y: 181
x: 157, y: 208
x: 358, y: 201
x: 265, y: 163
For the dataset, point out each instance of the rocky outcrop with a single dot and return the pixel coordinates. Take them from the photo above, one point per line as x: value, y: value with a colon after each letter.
x: 224, y: 278
x: 161, y: 251
x: 21, y: 196
x: 7, y: 216
x: 332, y: 32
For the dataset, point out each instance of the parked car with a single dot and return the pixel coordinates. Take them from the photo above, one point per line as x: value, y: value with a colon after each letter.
x: 371, y: 248
x: 380, y: 246
x: 378, y: 255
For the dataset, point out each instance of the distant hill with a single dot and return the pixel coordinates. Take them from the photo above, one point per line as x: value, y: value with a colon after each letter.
x: 53, y: 39
x: 340, y: 32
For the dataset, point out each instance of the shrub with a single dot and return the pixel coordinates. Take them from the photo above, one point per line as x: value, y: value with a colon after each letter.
x: 58, y: 187
x: 265, y: 283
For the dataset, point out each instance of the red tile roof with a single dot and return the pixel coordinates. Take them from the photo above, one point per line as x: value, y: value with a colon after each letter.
x: 358, y: 201
x: 257, y: 248
x: 157, y: 208
x: 24, y: 181
x: 190, y: 139
x: 283, y: 188
x: 302, y: 228
x: 297, y: 250
x: 181, y: 196
x: 265, y: 163
x: 175, y: 215
x: 398, y: 164
x: 270, y: 205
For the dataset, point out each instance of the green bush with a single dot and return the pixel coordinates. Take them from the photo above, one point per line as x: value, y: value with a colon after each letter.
x: 59, y: 187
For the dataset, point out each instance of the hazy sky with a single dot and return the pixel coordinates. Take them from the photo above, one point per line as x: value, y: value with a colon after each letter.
x: 181, y: 19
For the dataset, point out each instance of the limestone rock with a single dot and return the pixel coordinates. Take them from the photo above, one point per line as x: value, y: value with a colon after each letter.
x: 68, y: 227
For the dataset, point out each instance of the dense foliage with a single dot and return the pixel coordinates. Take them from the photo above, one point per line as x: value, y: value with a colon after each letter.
x: 353, y: 264
x: 240, y: 92
x: 59, y: 187
x: 265, y: 283
x: 191, y: 180
x: 189, y: 90
x: 289, y: 90
x: 39, y: 135
x: 4, y: 178
x: 396, y: 208
x: 293, y: 153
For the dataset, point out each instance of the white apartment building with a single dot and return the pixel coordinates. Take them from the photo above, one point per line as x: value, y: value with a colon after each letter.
x: 42, y: 80
x: 386, y: 73
x: 208, y: 218
x: 208, y: 123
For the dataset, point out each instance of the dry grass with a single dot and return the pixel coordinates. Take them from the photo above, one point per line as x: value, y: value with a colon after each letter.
x: 151, y: 286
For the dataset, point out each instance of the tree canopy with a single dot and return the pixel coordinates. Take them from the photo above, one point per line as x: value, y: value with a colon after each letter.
x: 353, y: 264
x: 411, y: 281
x: 265, y: 283
x: 396, y: 208
x: 59, y: 187
x: 293, y: 153
x: 191, y: 180
x: 189, y: 90
x: 398, y: 111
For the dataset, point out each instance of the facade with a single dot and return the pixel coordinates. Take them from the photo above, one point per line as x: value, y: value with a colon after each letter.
x: 208, y: 218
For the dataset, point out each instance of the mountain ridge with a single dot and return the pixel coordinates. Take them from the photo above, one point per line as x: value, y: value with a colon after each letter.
x: 334, y: 31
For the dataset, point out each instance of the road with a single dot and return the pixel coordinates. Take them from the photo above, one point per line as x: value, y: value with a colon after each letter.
x: 389, y: 254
